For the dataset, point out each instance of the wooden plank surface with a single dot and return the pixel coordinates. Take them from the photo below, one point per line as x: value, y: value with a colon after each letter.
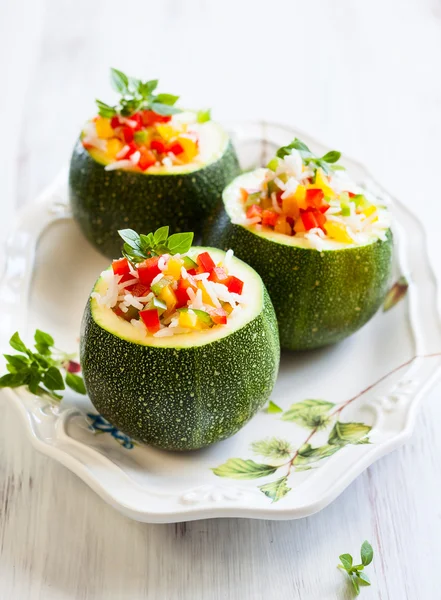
x: 363, y: 77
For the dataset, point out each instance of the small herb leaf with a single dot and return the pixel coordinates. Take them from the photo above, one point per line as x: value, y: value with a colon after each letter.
x: 331, y: 157
x: 168, y: 99
x: 53, y: 380
x: 76, y: 383
x: 120, y: 81
x: 346, y: 561
x: 16, y: 343
x: 41, y: 337
x: 161, y: 235
x: 204, y: 115
x: 13, y: 380
x: 367, y: 553
x: 180, y: 242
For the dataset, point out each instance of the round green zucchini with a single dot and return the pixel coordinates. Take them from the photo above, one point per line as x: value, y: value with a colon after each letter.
x: 183, y: 197
x: 186, y: 391
x: 320, y: 297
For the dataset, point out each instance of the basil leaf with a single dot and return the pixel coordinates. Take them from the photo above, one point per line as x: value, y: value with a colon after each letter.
x: 296, y: 144
x: 331, y: 157
x: 53, y: 380
x: 13, y: 380
x: 76, y: 383
x: 104, y: 110
x: 168, y: 99
x: 17, y: 343
x: 134, y: 84
x: 148, y: 87
x: 203, y: 115
x: 43, y: 338
x: 180, y: 242
x: 164, y: 109
x: 161, y: 234
x: 363, y: 579
x: 367, y: 553
x: 131, y: 238
x: 119, y: 80
x: 17, y: 361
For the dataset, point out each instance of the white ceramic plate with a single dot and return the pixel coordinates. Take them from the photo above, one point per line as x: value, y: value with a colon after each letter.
x: 344, y: 395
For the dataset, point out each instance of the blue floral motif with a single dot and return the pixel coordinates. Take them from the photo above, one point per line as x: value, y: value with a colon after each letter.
x: 100, y: 425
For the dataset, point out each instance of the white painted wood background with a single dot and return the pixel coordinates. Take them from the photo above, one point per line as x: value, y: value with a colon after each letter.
x: 363, y: 77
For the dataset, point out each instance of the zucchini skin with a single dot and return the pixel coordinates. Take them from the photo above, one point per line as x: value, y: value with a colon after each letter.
x: 320, y: 298
x: 181, y: 398
x: 104, y: 201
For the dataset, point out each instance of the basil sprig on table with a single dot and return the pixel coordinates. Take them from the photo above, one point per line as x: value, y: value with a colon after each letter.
x: 138, y: 247
x: 41, y: 371
x: 137, y: 95
x: 325, y: 162
x: 355, y: 572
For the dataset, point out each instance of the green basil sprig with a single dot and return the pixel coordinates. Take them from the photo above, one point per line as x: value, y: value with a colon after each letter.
x: 325, y: 162
x: 355, y: 572
x: 138, y: 247
x: 137, y: 95
x: 41, y: 371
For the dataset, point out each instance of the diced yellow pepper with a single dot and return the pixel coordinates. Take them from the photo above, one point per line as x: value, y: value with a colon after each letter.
x: 205, y: 296
x: 174, y: 267
x: 322, y: 182
x: 188, y: 319
x: 299, y: 227
x: 290, y: 207
x: 169, y: 297
x: 300, y: 197
x: 369, y: 210
x: 189, y: 145
x: 227, y: 308
x: 338, y: 232
x: 282, y: 226
x: 114, y: 146
x: 103, y: 128
x: 167, y: 132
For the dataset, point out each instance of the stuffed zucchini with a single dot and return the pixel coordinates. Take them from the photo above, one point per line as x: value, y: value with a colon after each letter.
x: 179, y: 346
x: 144, y: 162
x: 321, y: 244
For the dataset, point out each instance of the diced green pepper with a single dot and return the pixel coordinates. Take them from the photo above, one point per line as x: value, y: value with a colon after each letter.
x: 253, y: 198
x: 273, y: 164
x: 140, y: 137
x: 157, y: 287
x: 132, y: 313
x: 189, y: 263
x: 203, y: 316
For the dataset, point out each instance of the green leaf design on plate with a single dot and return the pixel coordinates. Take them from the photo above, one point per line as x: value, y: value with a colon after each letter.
x: 347, y: 433
x: 396, y: 293
x: 272, y: 448
x: 307, y: 454
x: 311, y: 413
x: 273, y: 408
x: 237, y: 468
x: 276, y: 489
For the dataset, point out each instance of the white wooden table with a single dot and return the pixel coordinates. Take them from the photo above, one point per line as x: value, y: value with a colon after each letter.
x: 362, y: 76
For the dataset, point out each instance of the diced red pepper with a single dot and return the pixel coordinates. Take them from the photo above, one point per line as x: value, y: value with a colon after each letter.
x: 218, y: 275
x: 121, y: 266
x: 158, y: 145
x: 351, y: 194
x: 308, y: 219
x: 181, y: 294
x: 137, y: 118
x: 114, y: 123
x: 205, y: 262
x: 146, y: 160
x: 148, y: 269
x: 314, y: 197
x: 127, y: 133
x: 151, y: 319
x: 269, y: 218
x: 73, y: 366
x: 234, y: 285
x: 87, y: 145
x: 149, y: 118
x: 138, y: 289
x: 313, y: 218
x: 176, y: 148
x: 218, y: 316
x: 254, y: 211
x: 192, y: 272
